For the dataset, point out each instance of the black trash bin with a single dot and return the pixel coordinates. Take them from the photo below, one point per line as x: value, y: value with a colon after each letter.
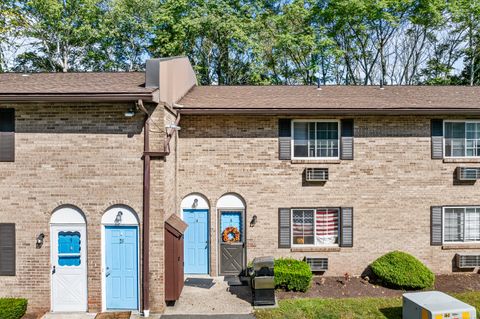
x: 263, y: 281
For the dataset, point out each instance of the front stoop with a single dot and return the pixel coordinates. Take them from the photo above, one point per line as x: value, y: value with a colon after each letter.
x: 217, y: 299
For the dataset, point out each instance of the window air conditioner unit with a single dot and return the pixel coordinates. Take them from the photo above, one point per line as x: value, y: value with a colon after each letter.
x: 468, y: 261
x: 316, y: 174
x: 317, y: 264
x: 468, y: 173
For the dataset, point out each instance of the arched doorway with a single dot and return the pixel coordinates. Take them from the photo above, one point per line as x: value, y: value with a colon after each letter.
x: 231, y: 216
x: 120, y: 259
x: 195, y: 212
x: 68, y: 257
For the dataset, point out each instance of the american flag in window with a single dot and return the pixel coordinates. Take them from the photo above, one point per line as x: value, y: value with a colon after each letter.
x: 326, y: 223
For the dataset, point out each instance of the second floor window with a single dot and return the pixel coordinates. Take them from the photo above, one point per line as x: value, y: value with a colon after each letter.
x: 462, y: 139
x: 315, y: 139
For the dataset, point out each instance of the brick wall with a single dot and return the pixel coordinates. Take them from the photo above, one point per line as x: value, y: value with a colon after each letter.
x: 391, y: 183
x: 87, y: 155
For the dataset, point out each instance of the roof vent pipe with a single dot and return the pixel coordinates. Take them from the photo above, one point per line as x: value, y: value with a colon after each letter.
x: 381, y: 84
x: 318, y: 82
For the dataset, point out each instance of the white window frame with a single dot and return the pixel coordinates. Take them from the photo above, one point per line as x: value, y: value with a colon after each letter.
x: 314, y: 228
x: 464, y: 225
x: 292, y: 140
x: 458, y: 121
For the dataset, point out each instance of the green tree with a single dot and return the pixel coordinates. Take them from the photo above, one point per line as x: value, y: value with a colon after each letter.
x: 296, y: 48
x: 466, y: 13
x: 11, y: 22
x: 217, y: 35
x: 124, y: 36
x: 61, y: 31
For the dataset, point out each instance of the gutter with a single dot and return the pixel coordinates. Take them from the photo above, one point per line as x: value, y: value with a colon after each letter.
x: 329, y: 111
x: 146, y: 215
x: 80, y: 97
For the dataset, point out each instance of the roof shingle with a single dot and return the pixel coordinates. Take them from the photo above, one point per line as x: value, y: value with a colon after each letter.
x: 282, y: 98
x: 73, y: 83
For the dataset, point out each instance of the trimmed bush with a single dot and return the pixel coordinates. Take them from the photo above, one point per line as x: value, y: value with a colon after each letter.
x: 12, y: 308
x: 292, y: 274
x: 402, y: 270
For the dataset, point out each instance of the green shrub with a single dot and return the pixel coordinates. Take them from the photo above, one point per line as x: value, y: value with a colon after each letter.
x: 292, y: 274
x: 12, y: 308
x: 402, y: 270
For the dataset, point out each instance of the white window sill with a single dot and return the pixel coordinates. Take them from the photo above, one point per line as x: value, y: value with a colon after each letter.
x: 460, y: 246
x: 462, y: 160
x: 315, y: 249
x: 316, y: 161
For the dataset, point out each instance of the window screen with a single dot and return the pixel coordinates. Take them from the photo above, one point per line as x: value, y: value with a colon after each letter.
x: 462, y: 139
x: 315, y: 139
x: 462, y: 224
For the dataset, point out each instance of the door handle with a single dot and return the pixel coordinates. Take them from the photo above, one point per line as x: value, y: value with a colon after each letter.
x: 53, y: 270
x: 107, y: 273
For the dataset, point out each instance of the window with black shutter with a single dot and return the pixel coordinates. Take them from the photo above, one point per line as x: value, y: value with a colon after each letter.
x: 7, y: 135
x: 7, y: 249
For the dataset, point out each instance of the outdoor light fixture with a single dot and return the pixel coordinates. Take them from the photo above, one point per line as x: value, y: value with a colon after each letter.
x: 173, y: 126
x: 253, y: 221
x: 195, y: 203
x: 130, y: 113
x: 118, y: 219
x: 39, y: 241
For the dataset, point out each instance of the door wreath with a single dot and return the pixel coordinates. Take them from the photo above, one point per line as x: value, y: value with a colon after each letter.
x: 231, y: 235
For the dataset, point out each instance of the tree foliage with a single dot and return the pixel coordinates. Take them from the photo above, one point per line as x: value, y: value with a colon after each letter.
x: 359, y: 42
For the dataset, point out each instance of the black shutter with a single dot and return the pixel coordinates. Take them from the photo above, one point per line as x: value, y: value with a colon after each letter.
x: 7, y: 249
x: 346, y: 139
x: 7, y: 135
x: 284, y: 139
x: 284, y: 228
x: 436, y: 227
x: 346, y: 227
x: 437, y: 138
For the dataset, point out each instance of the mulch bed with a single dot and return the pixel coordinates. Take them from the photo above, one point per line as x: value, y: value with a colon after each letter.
x: 335, y: 287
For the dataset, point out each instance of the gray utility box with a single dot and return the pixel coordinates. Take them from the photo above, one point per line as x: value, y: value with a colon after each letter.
x: 435, y: 305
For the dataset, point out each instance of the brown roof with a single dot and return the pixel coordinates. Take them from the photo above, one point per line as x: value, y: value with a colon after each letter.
x: 128, y: 85
x: 331, y: 99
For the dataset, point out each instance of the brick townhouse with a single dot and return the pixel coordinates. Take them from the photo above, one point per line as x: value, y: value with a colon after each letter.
x: 94, y: 166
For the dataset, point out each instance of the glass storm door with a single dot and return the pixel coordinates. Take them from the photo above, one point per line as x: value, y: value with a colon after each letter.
x: 69, y: 269
x: 232, y: 251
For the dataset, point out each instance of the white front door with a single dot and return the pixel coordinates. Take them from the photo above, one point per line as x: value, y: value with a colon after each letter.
x: 69, y: 269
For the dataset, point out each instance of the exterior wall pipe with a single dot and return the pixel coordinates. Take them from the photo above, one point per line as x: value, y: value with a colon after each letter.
x: 147, y: 154
x: 146, y: 213
x: 146, y: 220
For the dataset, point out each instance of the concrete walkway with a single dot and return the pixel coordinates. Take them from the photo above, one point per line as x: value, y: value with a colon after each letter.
x: 89, y: 315
x: 219, y: 299
x: 208, y: 317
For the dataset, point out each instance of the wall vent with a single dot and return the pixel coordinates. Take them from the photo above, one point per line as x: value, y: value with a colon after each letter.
x: 316, y: 263
x: 316, y: 174
x: 468, y: 261
x: 468, y: 173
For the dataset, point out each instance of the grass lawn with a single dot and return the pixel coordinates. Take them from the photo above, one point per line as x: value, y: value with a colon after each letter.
x: 372, y: 308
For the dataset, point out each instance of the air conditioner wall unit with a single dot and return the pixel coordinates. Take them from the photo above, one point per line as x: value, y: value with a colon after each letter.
x: 468, y: 173
x: 317, y: 263
x: 316, y: 174
x: 468, y: 260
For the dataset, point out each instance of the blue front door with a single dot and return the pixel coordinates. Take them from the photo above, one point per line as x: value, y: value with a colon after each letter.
x: 196, y: 241
x: 121, y: 267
